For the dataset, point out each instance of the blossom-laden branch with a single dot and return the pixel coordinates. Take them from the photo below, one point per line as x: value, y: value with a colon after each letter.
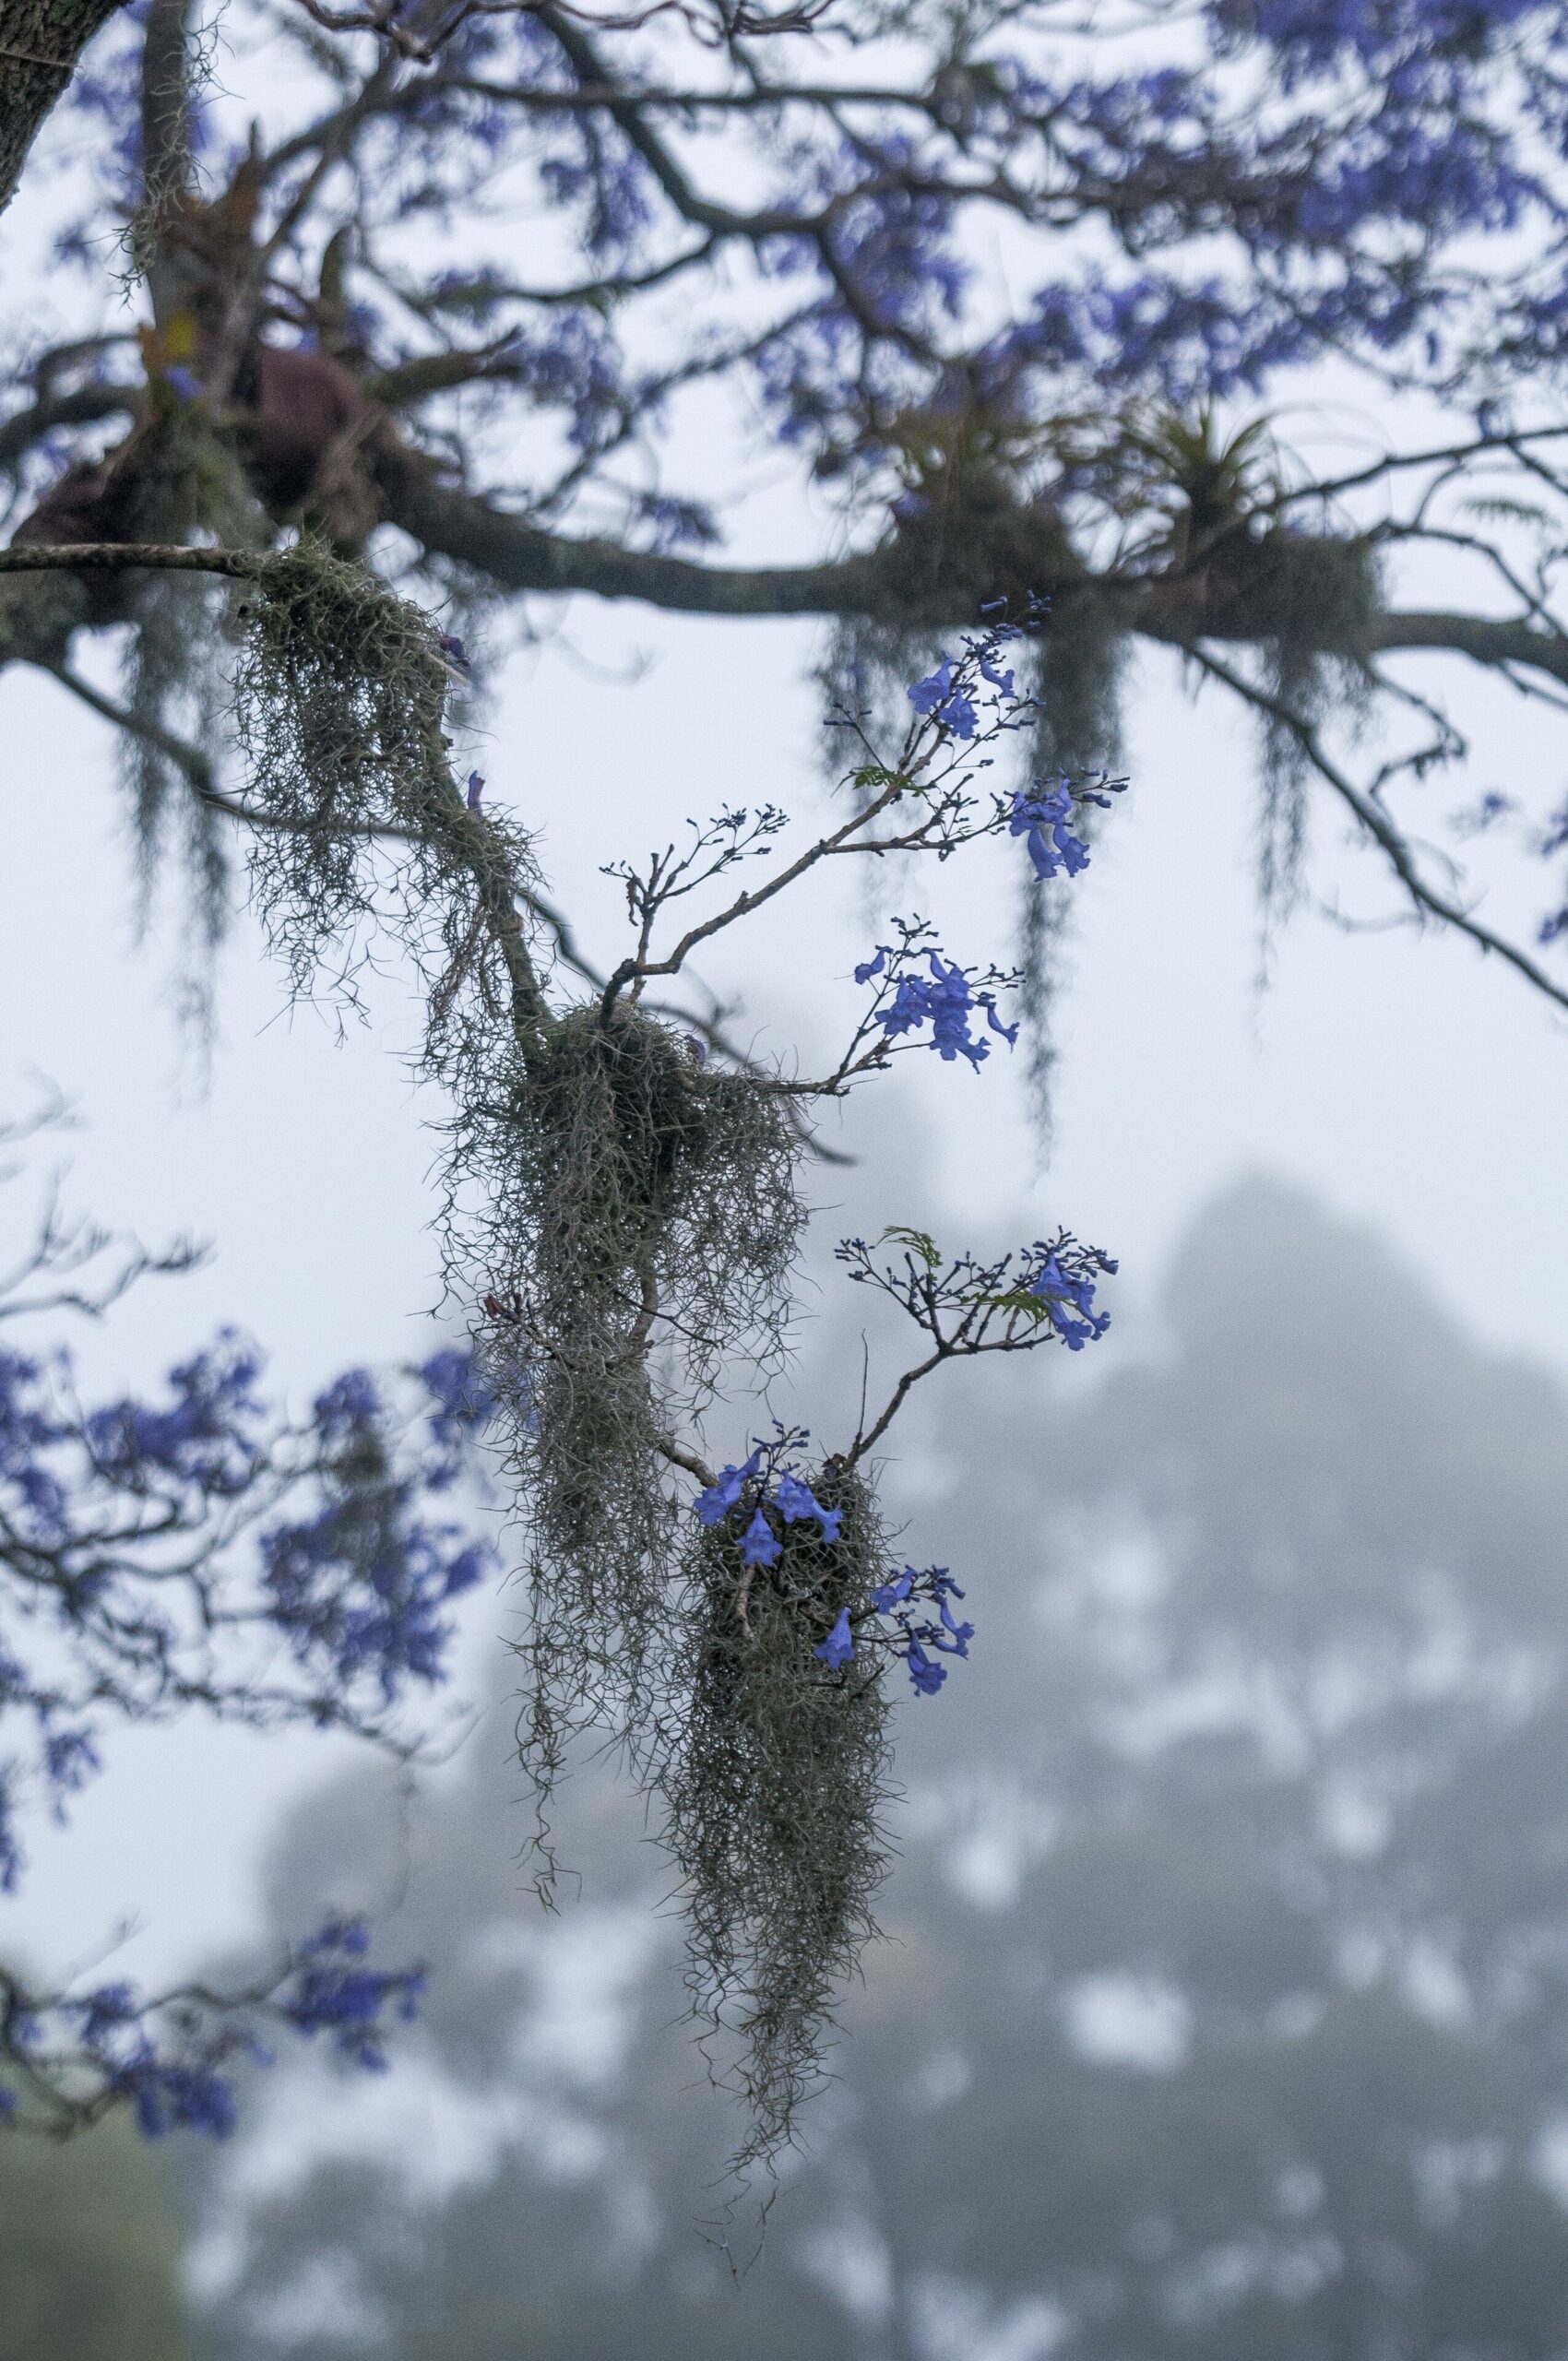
x: 927, y: 798
x: 1310, y: 188
x: 965, y: 1307
x: 200, y: 1550
x: 1043, y: 1294
x: 68, y: 2058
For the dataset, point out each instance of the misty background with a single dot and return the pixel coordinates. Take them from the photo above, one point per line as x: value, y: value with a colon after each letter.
x: 1223, y: 2002
x: 1222, y: 2008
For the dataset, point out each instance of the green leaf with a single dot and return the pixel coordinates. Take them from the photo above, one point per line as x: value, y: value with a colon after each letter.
x: 1504, y: 512
x: 919, y: 1242
x: 1017, y: 1299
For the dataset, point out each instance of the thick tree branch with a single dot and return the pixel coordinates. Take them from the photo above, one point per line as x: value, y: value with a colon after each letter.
x: 41, y: 42
x: 87, y: 405
x: 1485, y: 639
x: 519, y: 556
x: 131, y: 557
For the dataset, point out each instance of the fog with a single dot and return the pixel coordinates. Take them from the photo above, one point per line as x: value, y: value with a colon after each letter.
x: 1223, y: 2005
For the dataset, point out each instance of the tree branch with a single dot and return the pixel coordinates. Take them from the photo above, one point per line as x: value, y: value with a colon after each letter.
x: 1378, y: 825
x: 519, y: 556
x: 40, y: 42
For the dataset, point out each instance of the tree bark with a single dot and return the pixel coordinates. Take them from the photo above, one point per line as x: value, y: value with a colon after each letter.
x: 40, y: 42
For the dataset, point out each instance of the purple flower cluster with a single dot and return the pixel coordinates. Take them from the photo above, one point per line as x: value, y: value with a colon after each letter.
x: 765, y: 1493
x: 1059, y: 1277
x: 954, y: 698
x: 946, y: 999
x: 182, y: 2088
x: 941, y: 698
x: 901, y: 1599
x: 357, y: 1586
x: 1326, y: 183
x: 332, y: 1991
x: 776, y: 1495
x: 120, y: 1534
x: 171, y: 2059
x: 1044, y: 817
x: 205, y: 1436
x: 61, y: 1758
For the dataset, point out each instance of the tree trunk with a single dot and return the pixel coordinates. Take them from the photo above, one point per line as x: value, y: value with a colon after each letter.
x: 41, y: 42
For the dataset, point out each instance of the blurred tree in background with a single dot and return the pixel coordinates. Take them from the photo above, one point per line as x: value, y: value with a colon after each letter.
x: 1225, y: 2012
x: 89, y: 2254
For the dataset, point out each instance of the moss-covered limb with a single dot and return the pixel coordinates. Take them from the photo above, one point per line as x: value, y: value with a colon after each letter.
x: 41, y: 45
x: 490, y: 863
x: 40, y: 622
x: 519, y: 556
x: 516, y: 556
x: 340, y: 712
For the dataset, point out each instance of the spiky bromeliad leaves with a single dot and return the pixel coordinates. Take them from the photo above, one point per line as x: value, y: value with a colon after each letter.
x: 620, y: 1216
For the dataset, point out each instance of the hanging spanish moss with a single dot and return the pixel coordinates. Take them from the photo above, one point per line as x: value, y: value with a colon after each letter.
x: 775, y: 1790
x: 864, y: 678
x: 639, y: 1226
x: 1080, y: 656
x: 1315, y: 597
x: 173, y: 693
x: 339, y: 710
x: 171, y: 667
x: 621, y: 1219
x: 1076, y: 666
x: 625, y: 1211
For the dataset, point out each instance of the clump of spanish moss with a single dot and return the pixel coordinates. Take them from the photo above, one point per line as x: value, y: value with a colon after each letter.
x: 627, y: 1214
x: 167, y: 481
x: 1315, y: 598
x: 639, y: 1228
x: 774, y: 1793
x: 864, y: 677
x: 624, y: 1213
x: 339, y: 707
x: 172, y: 701
x: 1320, y: 584
x: 1076, y: 664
